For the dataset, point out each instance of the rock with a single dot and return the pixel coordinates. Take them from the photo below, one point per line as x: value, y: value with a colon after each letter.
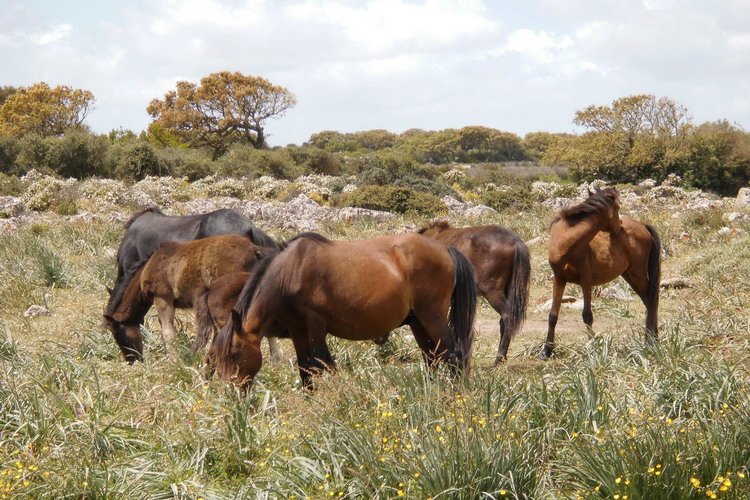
x: 11, y: 206
x: 353, y: 213
x: 479, y: 211
x: 534, y: 241
x: 558, y: 203
x: 567, y: 300
x: 615, y: 292
x: 453, y: 204
x: 743, y: 197
x: 36, y: 310
x: 676, y: 283
x: 724, y: 231
x: 84, y: 218
x: 734, y: 216
x: 647, y: 183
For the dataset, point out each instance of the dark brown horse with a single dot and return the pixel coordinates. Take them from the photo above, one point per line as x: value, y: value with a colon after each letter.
x: 590, y: 245
x: 502, y: 266
x: 172, y: 278
x: 213, y: 308
x: 356, y: 290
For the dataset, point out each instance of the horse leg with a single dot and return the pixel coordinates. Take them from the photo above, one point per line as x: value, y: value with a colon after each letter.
x: 424, y: 341
x: 165, y: 311
x: 499, y: 303
x: 587, y: 315
x: 638, y: 281
x: 273, y: 347
x: 558, y: 288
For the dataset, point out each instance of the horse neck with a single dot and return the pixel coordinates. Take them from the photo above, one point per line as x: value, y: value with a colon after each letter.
x: 134, y: 304
x: 570, y: 237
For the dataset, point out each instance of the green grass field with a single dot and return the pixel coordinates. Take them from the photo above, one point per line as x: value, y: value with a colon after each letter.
x: 608, y: 417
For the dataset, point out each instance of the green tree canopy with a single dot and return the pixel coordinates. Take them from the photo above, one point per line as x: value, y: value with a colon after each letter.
x: 226, y: 107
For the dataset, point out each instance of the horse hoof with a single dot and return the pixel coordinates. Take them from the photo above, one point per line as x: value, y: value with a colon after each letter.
x: 500, y: 360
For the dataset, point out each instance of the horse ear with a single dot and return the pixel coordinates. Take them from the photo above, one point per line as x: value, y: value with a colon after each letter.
x: 110, y: 320
x: 258, y: 254
x: 109, y: 291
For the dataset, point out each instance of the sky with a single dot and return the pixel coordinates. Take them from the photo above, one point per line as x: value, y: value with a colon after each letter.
x: 519, y: 66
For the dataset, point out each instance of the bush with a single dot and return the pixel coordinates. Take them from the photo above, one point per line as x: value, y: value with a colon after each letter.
x: 243, y: 160
x: 77, y: 154
x: 32, y: 154
x: 182, y: 162
x: 8, y: 152
x: 395, y: 199
x: 517, y: 197
x: 10, y: 185
x: 315, y: 160
x: 135, y: 160
x: 387, y: 167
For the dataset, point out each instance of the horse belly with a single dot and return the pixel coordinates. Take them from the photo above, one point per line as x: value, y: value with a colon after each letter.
x: 373, y: 317
x: 607, y: 261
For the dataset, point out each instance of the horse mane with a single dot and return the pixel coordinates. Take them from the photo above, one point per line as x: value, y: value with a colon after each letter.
x: 598, y: 202
x: 152, y: 209
x: 441, y: 224
x: 121, y: 286
x: 223, y: 339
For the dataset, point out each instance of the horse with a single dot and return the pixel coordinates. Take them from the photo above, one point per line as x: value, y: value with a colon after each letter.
x: 213, y: 307
x: 502, y: 266
x: 172, y: 278
x: 355, y: 290
x: 590, y: 245
x: 149, y: 228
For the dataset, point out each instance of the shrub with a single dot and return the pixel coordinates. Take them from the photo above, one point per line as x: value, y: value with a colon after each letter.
x: 8, y: 152
x: 517, y: 197
x: 395, y: 199
x: 32, y: 153
x: 243, y: 160
x: 77, y: 154
x: 135, y: 160
x: 181, y: 162
x: 10, y: 185
x: 315, y: 160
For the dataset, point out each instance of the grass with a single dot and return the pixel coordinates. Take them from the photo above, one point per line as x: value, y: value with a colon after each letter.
x: 609, y: 416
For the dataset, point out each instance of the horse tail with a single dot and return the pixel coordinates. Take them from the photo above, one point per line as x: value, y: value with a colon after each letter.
x: 654, y: 281
x: 517, y: 289
x: 223, y: 342
x: 463, y: 305
x: 204, y: 323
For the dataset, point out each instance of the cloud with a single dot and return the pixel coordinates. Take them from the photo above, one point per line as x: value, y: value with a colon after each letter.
x: 540, y: 46
x: 55, y: 34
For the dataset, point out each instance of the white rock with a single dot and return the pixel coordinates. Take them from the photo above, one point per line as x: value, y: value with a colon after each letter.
x: 615, y: 292
x: 743, y: 197
x: 36, y: 310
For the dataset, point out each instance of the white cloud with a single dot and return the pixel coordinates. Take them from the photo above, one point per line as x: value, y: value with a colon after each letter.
x: 382, y: 25
x: 540, y: 46
x: 56, y: 34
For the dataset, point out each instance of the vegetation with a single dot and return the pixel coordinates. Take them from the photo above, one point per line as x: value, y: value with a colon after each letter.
x: 43, y: 110
x: 609, y: 416
x: 226, y: 108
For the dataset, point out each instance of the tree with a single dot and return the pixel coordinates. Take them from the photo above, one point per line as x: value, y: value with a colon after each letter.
x: 226, y: 107
x: 44, y: 110
x: 5, y: 92
x: 637, y: 136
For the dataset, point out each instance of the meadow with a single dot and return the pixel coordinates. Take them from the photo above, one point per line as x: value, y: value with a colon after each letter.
x: 608, y: 417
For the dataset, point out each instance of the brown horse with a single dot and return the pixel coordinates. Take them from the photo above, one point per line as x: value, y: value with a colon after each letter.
x: 171, y: 278
x: 502, y: 266
x: 213, y: 308
x: 356, y: 290
x: 590, y: 245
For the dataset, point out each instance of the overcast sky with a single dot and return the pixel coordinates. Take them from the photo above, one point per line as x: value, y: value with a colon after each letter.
x: 520, y: 66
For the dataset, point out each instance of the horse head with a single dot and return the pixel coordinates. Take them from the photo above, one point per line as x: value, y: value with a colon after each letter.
x: 128, y: 338
x: 235, y: 355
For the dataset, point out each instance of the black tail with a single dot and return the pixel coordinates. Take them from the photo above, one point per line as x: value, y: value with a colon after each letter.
x: 204, y: 323
x: 654, y: 281
x: 517, y: 290
x: 463, y: 305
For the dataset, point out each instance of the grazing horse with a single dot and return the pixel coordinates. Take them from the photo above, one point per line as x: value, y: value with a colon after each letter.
x: 213, y: 308
x: 502, y: 266
x: 590, y: 245
x: 150, y: 228
x: 355, y: 290
x: 172, y: 278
